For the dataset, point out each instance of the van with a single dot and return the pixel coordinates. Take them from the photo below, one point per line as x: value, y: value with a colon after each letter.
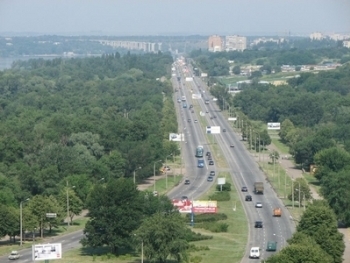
x: 254, y: 252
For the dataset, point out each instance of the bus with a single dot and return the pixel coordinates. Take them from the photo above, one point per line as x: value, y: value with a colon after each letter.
x: 199, y: 151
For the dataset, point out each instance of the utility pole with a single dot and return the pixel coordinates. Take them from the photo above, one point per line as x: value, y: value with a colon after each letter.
x: 285, y: 185
x: 250, y: 135
x: 293, y: 193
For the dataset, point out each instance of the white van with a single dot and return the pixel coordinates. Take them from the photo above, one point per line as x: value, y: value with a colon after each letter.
x: 254, y: 252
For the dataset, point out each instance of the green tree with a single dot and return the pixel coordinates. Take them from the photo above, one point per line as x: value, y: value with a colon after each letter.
x: 163, y: 236
x: 330, y: 160
x: 286, y: 127
x: 75, y: 204
x: 301, y: 248
x: 274, y: 156
x: 302, y: 189
x: 115, y: 211
x: 319, y: 222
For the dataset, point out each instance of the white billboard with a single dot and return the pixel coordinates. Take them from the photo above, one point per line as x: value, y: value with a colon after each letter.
x: 273, y: 126
x: 46, y: 251
x: 232, y: 118
x: 221, y: 181
x: 204, y: 75
x: 196, y: 96
x: 176, y: 137
x: 213, y: 129
x: 189, y: 79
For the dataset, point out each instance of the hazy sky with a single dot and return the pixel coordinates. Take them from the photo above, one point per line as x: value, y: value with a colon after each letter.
x: 158, y: 17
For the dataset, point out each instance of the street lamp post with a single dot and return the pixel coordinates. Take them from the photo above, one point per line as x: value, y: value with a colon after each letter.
x: 142, y: 251
x: 68, y: 202
x: 166, y: 171
x: 135, y: 174
x: 21, y: 221
x: 154, y: 175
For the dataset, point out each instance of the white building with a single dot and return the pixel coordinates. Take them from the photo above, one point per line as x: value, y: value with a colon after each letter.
x: 235, y: 42
x: 316, y: 36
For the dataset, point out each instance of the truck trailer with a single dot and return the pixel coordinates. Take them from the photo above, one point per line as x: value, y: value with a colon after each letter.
x: 259, y: 187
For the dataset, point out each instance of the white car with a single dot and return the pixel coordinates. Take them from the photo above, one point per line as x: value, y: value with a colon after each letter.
x: 254, y: 252
x: 14, y: 255
x: 258, y: 205
x: 195, y: 121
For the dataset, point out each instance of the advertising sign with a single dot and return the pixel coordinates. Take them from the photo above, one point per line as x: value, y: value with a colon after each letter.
x: 273, y: 126
x: 46, y: 251
x: 176, y: 137
x: 213, y: 129
x: 232, y: 118
x: 221, y: 181
x: 189, y: 79
x: 188, y: 206
x: 204, y: 75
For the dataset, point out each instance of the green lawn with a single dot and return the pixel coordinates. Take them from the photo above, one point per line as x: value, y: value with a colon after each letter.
x: 282, y: 148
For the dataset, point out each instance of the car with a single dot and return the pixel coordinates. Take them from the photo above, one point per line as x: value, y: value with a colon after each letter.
x: 209, y: 157
x: 258, y: 224
x: 195, y: 121
x: 271, y: 246
x: 208, y: 153
x: 258, y: 205
x: 212, y: 173
x: 184, y: 197
x: 155, y: 193
x: 254, y: 252
x: 232, y: 146
x: 210, y: 179
x: 187, y: 181
x: 206, y: 111
x: 189, y: 120
x: 211, y: 162
x: 14, y: 255
x: 192, y: 111
x: 191, y: 106
x: 223, y: 130
x: 248, y: 198
x: 244, y: 189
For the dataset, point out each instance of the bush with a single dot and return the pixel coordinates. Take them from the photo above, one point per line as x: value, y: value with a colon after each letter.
x: 213, y: 227
x: 192, y: 236
x: 207, y: 217
x: 221, y: 196
x: 225, y: 187
x: 196, y: 259
x: 193, y: 248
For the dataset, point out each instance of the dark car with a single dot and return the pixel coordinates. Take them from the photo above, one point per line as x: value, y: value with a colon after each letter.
x: 244, y: 189
x: 191, y: 106
x: 224, y: 130
x: 212, y: 173
x: 211, y: 162
x: 187, y: 181
x: 184, y: 197
x: 210, y: 179
x: 258, y: 224
x: 192, y: 111
x: 189, y: 120
x: 208, y: 153
x: 248, y: 198
x: 232, y: 146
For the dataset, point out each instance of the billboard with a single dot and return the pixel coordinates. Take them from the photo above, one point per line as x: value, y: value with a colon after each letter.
x: 273, y: 126
x: 188, y: 206
x: 189, y: 79
x: 232, y: 118
x: 176, y: 137
x: 46, y: 251
x: 213, y: 129
x: 204, y: 75
x: 221, y: 181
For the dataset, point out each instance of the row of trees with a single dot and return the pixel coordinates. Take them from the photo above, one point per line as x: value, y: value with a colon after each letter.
x: 317, y: 238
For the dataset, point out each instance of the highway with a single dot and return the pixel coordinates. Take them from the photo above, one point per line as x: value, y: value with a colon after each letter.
x: 243, y: 169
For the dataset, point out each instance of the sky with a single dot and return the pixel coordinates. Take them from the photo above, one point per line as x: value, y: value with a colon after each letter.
x: 174, y: 17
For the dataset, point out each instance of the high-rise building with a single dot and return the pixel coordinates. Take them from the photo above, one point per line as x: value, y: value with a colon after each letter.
x: 235, y: 42
x: 215, y: 43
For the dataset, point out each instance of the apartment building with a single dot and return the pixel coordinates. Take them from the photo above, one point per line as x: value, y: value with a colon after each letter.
x: 215, y: 43
x: 235, y: 42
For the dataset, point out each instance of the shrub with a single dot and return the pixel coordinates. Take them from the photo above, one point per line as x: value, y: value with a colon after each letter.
x: 192, y: 236
x: 196, y: 259
x: 207, y: 217
x: 213, y: 227
x: 221, y: 196
x: 225, y: 187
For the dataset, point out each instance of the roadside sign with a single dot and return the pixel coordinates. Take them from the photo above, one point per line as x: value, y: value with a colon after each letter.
x: 51, y: 215
x: 46, y: 251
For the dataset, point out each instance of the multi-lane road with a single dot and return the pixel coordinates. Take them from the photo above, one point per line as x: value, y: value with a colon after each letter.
x: 242, y: 166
